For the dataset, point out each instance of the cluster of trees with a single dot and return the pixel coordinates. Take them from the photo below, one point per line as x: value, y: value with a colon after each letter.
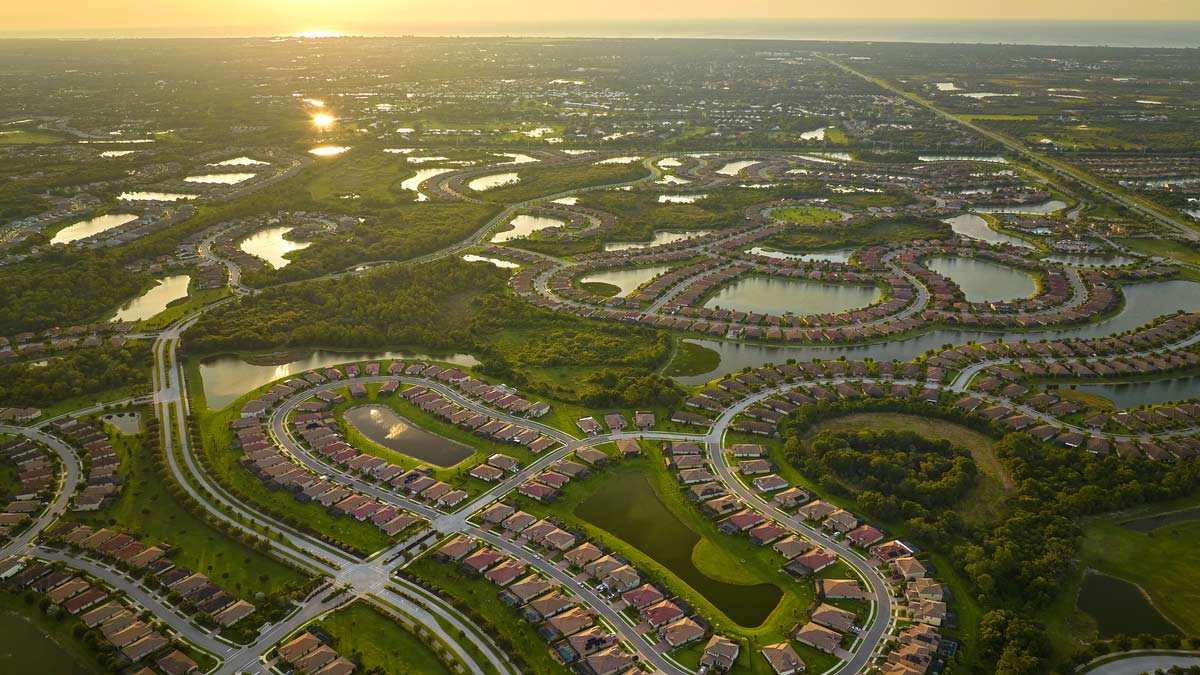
x: 63, y: 288
x: 614, y: 389
x: 549, y: 180
x: 75, y: 374
x: 430, y: 305
x: 1016, y: 565
x: 400, y: 233
x: 891, y: 474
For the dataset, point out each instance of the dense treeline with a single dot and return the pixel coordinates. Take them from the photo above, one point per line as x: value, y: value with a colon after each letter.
x: 396, y: 234
x: 891, y: 473
x: 1016, y: 566
x: 87, y: 371
x: 428, y: 305
x: 64, y: 288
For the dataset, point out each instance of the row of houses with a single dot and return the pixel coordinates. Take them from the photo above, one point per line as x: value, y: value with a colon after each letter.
x: 104, y: 482
x: 278, y: 470
x: 197, y: 594
x: 575, y: 637
x: 30, y: 344
x: 36, y: 474
x: 481, y: 424
x: 97, y: 608
x: 319, y: 433
x: 643, y: 420
x: 307, y: 654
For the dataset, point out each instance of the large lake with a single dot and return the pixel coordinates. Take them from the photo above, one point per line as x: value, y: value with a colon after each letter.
x: 974, y: 226
x: 227, y: 378
x: 734, y: 168
x: 631, y: 511
x: 271, y: 246
x: 494, y: 180
x: 414, y: 182
x: 766, y: 295
x: 155, y: 300
x: 1133, y: 394
x: 983, y: 280
x: 1143, y: 302
x: 524, y: 225
x: 92, y: 227
x: 841, y: 255
x: 627, y: 280
x: 660, y: 237
x: 382, y: 426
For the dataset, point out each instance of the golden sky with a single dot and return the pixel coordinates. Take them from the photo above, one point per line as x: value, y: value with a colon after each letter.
x: 291, y: 16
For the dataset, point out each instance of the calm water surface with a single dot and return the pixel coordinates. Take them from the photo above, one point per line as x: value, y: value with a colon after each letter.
x: 734, y: 168
x: 414, y: 182
x: 766, y: 295
x: 524, y: 225
x: 227, y: 378
x: 974, y: 226
x: 1080, y: 260
x: 381, y: 425
x: 627, y: 280
x: 841, y: 255
x: 502, y: 264
x: 220, y: 178
x: 1143, y: 302
x: 155, y: 300
x: 92, y: 227
x: 983, y: 280
x: 1120, y: 608
x: 271, y: 246
x: 494, y: 180
x: 1044, y: 208
x: 1133, y: 394
x: 631, y: 511
x: 142, y: 196
x: 660, y: 237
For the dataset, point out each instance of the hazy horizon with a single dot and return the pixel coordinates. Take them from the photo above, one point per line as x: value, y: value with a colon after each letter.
x: 1051, y: 32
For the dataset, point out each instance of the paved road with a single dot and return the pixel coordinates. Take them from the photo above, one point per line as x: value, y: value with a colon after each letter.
x: 1060, y: 169
x: 1136, y: 665
x: 65, y: 490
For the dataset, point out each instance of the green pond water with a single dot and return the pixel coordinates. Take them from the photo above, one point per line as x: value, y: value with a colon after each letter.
x: 629, y: 509
x: 1120, y: 608
x: 26, y: 649
x: 383, y: 426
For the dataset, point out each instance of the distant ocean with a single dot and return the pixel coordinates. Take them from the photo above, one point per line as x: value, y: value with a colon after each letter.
x: 1176, y: 34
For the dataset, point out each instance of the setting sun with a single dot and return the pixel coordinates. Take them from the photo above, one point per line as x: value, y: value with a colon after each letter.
x: 323, y: 120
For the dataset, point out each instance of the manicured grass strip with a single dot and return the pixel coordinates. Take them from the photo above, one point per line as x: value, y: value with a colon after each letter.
x: 379, y: 643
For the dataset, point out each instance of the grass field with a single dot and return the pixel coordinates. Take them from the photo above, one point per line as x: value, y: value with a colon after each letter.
x: 840, y: 236
x: 499, y: 620
x: 27, y: 138
x: 221, y: 461
x: 379, y: 643
x: 805, y: 215
x: 1164, y: 248
x: 147, y: 510
x: 1161, y: 561
x: 692, y: 359
x: 175, y: 310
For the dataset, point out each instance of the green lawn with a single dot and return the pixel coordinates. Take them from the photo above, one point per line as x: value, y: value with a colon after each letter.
x: 27, y: 138
x: 692, y: 359
x: 805, y: 215
x: 479, y: 597
x: 221, y: 461
x: 176, y: 310
x: 1164, y: 248
x: 148, y: 510
x: 379, y: 643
